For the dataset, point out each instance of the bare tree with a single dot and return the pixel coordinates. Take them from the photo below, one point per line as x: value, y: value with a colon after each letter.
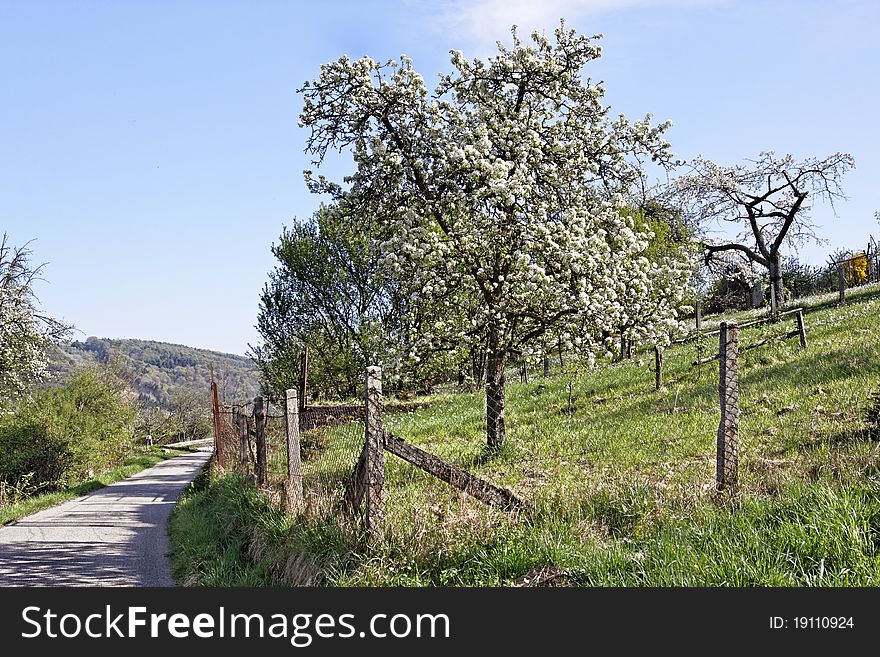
x: 769, y: 200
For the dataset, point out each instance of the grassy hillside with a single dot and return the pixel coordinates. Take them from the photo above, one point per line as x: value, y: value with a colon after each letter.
x: 620, y: 476
x: 157, y: 369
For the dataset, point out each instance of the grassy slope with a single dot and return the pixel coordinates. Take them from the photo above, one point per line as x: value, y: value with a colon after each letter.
x: 140, y: 461
x: 622, y: 484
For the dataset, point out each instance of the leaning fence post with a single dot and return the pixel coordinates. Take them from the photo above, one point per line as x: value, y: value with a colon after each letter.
x: 728, y: 389
x: 294, y: 496
x: 374, y: 448
x: 841, y: 282
x: 658, y: 368
x: 802, y: 331
x: 260, y: 431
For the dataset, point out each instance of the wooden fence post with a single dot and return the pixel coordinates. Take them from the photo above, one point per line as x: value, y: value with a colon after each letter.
x: 303, y: 378
x: 294, y: 490
x: 375, y: 450
x: 728, y: 389
x: 841, y: 283
x: 658, y: 368
x: 240, y: 424
x: 802, y: 331
x: 260, y: 432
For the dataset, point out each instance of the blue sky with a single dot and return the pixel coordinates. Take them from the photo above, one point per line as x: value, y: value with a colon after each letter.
x: 151, y: 149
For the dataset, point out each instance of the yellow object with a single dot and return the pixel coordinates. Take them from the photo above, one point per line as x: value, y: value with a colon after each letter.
x: 856, y: 269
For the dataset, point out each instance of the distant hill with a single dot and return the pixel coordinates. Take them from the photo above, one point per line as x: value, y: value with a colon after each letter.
x: 157, y: 369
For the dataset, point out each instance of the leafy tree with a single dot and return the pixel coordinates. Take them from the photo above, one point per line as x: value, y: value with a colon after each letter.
x: 190, y: 414
x: 26, y: 334
x: 499, y: 197
x: 66, y: 434
x: 767, y: 200
x: 327, y: 293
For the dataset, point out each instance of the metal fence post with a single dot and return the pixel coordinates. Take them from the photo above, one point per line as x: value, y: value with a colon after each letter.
x: 728, y: 389
x: 215, y: 408
x: 658, y: 368
x: 375, y: 451
x: 294, y: 497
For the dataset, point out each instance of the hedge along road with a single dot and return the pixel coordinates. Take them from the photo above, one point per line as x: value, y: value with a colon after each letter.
x: 115, y: 536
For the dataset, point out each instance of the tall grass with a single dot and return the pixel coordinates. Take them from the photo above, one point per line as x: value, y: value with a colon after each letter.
x: 621, y: 480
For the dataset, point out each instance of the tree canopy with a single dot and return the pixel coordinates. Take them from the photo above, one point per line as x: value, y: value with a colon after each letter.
x: 327, y: 293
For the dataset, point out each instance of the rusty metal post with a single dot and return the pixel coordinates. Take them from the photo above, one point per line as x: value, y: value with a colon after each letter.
x: 218, y: 437
x: 728, y: 390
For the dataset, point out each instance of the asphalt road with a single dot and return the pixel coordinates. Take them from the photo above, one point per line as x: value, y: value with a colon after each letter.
x: 115, y: 536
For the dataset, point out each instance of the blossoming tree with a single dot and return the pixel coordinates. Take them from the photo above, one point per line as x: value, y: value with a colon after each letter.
x: 501, y: 198
x: 26, y: 334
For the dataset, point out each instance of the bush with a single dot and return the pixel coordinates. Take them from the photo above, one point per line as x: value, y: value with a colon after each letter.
x: 65, y: 435
x: 726, y: 294
x: 804, y: 280
x: 30, y: 458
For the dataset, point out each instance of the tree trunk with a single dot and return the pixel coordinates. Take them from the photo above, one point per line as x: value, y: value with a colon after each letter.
x: 477, y: 366
x: 495, y: 399
x: 776, y: 298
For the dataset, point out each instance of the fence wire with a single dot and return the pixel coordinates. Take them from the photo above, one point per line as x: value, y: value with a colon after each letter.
x: 572, y: 433
x: 331, y: 439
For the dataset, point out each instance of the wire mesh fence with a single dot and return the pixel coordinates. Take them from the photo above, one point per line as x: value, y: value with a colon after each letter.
x: 332, y: 439
x: 329, y: 442
x: 561, y: 434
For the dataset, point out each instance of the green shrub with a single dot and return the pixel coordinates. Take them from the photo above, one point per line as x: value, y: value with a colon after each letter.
x: 66, y: 434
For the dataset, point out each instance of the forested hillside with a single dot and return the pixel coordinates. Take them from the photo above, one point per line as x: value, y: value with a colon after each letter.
x: 156, y: 370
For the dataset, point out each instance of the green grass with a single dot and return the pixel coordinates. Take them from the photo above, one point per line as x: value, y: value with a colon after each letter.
x: 144, y: 459
x: 621, y: 482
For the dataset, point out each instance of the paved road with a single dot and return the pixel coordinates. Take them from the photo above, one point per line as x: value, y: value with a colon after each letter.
x: 116, y: 536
